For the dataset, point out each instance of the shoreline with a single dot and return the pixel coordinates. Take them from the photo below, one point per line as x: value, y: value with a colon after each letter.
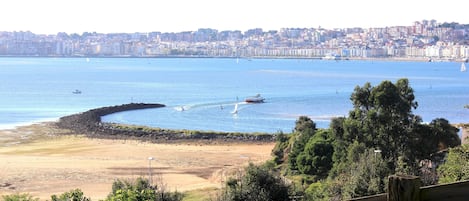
x: 13, y: 126
x: 397, y: 59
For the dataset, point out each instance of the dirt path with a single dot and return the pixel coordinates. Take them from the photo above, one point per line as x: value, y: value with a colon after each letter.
x: 35, y: 159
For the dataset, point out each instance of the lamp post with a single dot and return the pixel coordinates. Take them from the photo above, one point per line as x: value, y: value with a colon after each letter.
x: 377, y: 151
x: 149, y: 169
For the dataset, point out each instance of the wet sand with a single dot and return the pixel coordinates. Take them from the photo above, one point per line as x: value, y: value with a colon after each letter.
x: 40, y: 160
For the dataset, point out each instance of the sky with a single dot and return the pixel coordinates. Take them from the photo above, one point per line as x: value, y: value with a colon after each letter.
x: 130, y: 16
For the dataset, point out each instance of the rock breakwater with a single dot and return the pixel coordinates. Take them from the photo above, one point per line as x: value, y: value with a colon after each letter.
x: 90, y: 124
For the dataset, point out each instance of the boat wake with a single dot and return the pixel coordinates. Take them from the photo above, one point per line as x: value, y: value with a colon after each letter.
x: 220, y: 105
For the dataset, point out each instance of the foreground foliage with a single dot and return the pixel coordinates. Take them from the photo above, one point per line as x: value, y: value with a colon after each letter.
x: 140, y: 190
x: 122, y: 190
x: 19, y: 197
x: 257, y: 183
x: 456, y: 167
x: 73, y: 195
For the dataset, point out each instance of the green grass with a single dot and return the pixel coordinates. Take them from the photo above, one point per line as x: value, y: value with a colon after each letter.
x: 205, y: 194
x: 185, y: 131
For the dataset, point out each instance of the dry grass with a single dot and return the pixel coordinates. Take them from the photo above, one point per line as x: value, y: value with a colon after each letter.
x: 38, y: 160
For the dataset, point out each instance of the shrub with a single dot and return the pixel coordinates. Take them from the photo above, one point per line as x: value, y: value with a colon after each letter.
x: 72, y: 195
x: 19, y: 197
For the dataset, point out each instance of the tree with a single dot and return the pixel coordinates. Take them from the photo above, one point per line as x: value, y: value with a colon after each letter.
x: 257, y: 184
x: 382, y: 118
x: 316, y: 158
x: 280, y: 150
x: 456, y: 167
x: 430, y: 138
x: 304, y: 123
x: 445, y: 135
x: 339, y: 157
x: 317, y: 191
x: 304, y: 130
x: 367, y: 175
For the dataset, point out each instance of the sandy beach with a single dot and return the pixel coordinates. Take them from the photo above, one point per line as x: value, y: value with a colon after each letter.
x: 39, y: 159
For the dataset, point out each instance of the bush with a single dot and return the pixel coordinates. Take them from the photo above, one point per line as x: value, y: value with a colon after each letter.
x: 456, y: 167
x: 140, y: 190
x: 257, y: 184
x: 73, y: 195
x: 19, y: 197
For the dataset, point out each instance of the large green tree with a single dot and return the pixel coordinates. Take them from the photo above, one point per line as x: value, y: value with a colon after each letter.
x: 382, y: 117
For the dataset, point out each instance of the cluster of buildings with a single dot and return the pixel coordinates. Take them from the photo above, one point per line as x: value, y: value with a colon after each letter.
x: 422, y: 40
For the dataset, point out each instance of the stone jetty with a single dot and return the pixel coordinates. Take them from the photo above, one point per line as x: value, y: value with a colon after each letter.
x: 89, y: 123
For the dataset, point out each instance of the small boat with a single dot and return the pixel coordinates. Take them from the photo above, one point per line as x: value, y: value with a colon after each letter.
x: 255, y: 99
x: 76, y: 91
x: 331, y: 57
x: 463, y: 67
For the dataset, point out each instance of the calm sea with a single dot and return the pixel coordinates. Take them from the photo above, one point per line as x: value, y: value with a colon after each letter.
x: 40, y: 89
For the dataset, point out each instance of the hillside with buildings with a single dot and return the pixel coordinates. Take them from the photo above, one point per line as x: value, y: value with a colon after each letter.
x: 427, y: 40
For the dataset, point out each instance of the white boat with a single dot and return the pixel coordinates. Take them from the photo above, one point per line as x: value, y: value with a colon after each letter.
x: 331, y: 57
x: 463, y: 67
x: 254, y: 99
x: 76, y: 91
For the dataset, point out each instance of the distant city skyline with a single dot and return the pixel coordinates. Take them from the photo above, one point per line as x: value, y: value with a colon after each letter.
x: 124, y: 16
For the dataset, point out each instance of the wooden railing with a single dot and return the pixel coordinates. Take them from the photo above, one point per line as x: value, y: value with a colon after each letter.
x: 407, y: 188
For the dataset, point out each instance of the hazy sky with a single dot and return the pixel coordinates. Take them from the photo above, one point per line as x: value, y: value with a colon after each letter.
x: 112, y: 16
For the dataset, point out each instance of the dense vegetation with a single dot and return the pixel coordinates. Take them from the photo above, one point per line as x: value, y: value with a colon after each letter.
x: 353, y: 157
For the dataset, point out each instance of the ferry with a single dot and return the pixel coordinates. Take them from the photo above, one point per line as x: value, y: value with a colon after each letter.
x: 331, y: 57
x: 254, y: 99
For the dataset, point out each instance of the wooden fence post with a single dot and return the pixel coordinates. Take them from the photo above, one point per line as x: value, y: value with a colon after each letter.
x: 403, y: 188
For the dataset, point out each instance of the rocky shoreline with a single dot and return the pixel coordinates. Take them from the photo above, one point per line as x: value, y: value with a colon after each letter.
x: 90, y: 124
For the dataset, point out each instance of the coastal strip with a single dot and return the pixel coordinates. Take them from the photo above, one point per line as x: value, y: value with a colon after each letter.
x: 89, y: 123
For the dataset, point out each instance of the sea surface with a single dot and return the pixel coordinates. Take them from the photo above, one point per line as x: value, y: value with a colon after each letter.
x: 200, y: 93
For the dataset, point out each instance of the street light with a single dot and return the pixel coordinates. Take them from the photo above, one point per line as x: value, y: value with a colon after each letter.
x: 149, y: 169
x: 377, y: 151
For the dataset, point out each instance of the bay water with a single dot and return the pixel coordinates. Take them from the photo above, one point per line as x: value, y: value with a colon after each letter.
x: 201, y: 93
